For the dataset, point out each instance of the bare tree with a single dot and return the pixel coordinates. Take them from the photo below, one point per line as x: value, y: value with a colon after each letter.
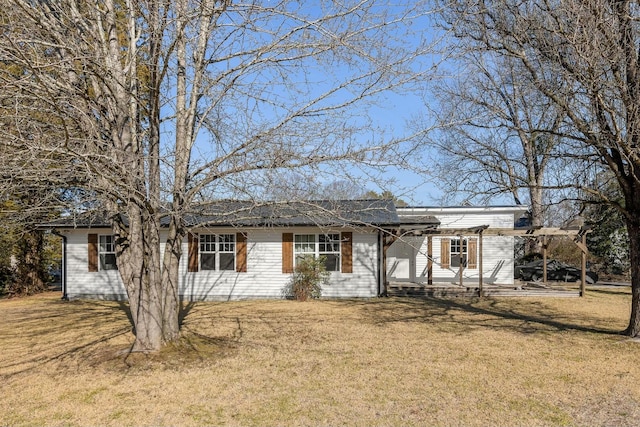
x: 498, y: 135
x: 154, y: 105
x: 583, y: 57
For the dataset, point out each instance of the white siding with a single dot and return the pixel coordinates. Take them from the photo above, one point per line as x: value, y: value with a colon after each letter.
x: 497, y: 253
x: 263, y: 279
x: 84, y: 284
x: 497, y: 257
x: 407, y: 258
x: 497, y: 260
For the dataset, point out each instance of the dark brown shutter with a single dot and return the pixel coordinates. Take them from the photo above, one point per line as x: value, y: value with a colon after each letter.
x: 472, y: 255
x: 241, y: 253
x: 92, y: 241
x: 445, y: 253
x: 192, y: 252
x: 347, y: 252
x: 287, y: 252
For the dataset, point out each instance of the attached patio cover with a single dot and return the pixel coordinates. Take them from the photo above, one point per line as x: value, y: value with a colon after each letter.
x: 428, y: 225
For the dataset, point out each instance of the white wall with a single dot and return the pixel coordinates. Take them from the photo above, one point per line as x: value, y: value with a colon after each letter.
x: 263, y: 279
x: 407, y: 257
x: 81, y: 282
x: 497, y: 259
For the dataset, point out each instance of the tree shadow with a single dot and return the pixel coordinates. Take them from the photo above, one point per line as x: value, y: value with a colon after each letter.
x: 184, y: 308
x: 57, y: 332
x: 523, y: 316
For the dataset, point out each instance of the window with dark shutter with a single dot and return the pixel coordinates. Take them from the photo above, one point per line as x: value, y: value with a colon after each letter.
x: 445, y: 255
x: 192, y: 240
x: 472, y: 256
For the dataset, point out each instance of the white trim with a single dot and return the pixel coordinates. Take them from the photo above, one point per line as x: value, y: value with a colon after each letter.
x: 218, y: 249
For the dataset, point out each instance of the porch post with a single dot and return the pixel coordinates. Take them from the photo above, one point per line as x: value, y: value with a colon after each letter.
x: 480, y: 290
x: 384, y: 266
x: 583, y: 273
x: 460, y: 259
x: 429, y: 260
x: 544, y: 259
x: 387, y: 241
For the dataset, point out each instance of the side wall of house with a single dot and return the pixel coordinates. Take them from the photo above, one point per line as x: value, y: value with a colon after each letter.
x: 82, y: 283
x: 497, y: 253
x: 497, y: 259
x: 407, y: 258
x: 264, y: 277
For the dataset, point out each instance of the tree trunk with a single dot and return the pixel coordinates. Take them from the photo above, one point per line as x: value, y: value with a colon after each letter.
x: 138, y: 247
x: 537, y: 212
x: 170, y: 285
x: 633, y: 227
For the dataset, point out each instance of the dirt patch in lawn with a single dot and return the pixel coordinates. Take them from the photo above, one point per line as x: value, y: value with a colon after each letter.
x: 393, y: 361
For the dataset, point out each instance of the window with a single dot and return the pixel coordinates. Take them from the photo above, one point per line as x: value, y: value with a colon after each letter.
x: 458, y: 246
x: 319, y: 245
x: 107, y: 253
x: 468, y: 247
x: 217, y: 252
x: 329, y: 248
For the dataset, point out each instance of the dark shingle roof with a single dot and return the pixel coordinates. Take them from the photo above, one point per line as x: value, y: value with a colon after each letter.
x: 326, y: 213
x: 299, y: 213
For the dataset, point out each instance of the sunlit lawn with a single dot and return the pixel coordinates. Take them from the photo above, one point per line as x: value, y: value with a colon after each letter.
x: 509, y: 361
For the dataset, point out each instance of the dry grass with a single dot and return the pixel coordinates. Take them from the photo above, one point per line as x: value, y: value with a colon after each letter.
x: 377, y: 362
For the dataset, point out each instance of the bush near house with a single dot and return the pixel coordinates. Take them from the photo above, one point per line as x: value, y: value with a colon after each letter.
x: 308, y: 277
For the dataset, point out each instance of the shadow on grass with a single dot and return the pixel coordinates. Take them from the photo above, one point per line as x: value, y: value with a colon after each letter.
x: 44, y: 331
x: 52, y: 331
x: 463, y: 314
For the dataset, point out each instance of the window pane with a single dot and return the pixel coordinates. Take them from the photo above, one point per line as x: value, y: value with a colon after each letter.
x: 108, y: 262
x: 300, y: 257
x: 332, y: 262
x: 455, y: 246
x: 329, y: 243
x: 305, y: 243
x: 207, y: 243
x: 227, y: 261
x: 207, y: 261
x: 106, y: 244
x: 227, y: 243
x: 455, y: 260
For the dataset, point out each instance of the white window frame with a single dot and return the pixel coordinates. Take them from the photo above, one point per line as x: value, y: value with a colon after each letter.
x: 217, y: 245
x: 318, y: 245
x: 458, y: 243
x: 106, y: 247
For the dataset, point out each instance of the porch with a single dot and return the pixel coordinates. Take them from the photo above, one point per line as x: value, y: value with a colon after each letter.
x: 422, y: 261
x: 518, y: 289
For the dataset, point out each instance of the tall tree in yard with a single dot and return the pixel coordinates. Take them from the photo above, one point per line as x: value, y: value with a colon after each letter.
x: 156, y: 105
x: 583, y: 57
x: 498, y: 134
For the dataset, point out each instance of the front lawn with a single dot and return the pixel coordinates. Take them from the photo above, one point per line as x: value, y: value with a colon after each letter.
x: 509, y: 361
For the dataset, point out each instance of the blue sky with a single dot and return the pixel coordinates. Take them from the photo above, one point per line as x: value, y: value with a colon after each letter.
x: 391, y: 111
